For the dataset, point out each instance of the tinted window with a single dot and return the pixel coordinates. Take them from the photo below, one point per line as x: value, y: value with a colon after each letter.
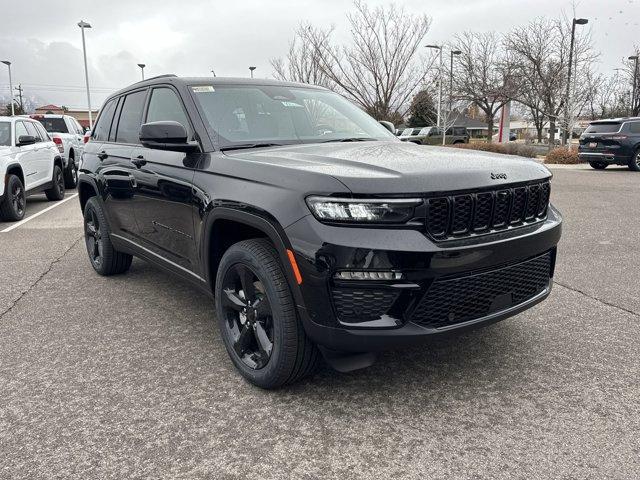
x: 101, y: 128
x: 130, y: 118
x: 43, y: 133
x: 54, y: 125
x: 165, y: 105
x: 634, y: 127
x: 33, y: 131
x: 20, y: 130
x: 5, y: 134
x: 114, y: 122
x: 608, y: 127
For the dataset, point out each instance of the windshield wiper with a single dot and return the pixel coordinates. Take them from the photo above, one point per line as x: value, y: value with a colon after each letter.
x: 351, y: 139
x: 250, y: 145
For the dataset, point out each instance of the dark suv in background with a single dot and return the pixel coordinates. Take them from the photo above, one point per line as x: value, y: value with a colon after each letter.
x: 611, y: 142
x: 315, y: 228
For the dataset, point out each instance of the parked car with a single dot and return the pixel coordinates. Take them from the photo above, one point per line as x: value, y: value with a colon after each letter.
x: 611, y: 142
x: 410, y: 135
x: 29, y: 162
x: 512, y: 136
x: 315, y: 229
x: 433, y: 136
x: 67, y: 134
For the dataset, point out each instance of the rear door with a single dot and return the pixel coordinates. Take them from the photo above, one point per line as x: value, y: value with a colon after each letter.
x: 43, y: 157
x: 164, y: 202
x: 116, y: 169
x: 27, y: 157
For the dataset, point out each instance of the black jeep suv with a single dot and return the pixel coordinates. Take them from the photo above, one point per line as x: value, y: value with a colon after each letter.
x: 611, y: 142
x: 316, y: 230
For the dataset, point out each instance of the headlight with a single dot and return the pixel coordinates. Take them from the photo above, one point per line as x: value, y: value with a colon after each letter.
x: 393, y: 210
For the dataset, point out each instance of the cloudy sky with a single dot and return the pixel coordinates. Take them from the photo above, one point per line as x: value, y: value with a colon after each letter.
x: 191, y: 37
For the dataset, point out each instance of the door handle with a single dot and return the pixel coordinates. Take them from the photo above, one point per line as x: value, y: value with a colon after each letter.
x: 139, y: 161
x: 102, y: 155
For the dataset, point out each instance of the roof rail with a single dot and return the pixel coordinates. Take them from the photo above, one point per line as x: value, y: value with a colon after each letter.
x: 157, y: 76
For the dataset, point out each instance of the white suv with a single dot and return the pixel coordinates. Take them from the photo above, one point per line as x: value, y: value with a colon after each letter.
x: 68, y: 135
x: 29, y: 162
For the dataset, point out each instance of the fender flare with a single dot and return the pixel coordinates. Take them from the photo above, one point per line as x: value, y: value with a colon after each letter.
x: 260, y: 221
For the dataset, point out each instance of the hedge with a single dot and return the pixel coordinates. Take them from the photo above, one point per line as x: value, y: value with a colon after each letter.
x: 562, y: 155
x: 510, y: 148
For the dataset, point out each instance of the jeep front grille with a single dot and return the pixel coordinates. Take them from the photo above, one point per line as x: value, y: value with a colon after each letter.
x: 459, y: 215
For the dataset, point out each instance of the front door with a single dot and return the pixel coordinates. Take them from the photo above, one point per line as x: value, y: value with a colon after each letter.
x: 27, y: 157
x: 164, y: 202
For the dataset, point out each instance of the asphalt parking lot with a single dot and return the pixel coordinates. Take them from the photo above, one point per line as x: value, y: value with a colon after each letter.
x: 127, y: 377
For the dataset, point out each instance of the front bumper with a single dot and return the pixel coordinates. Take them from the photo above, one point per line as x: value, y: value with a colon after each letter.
x: 386, y: 315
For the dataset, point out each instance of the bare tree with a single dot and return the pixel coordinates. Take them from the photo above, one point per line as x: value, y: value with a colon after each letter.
x: 481, y: 73
x: 380, y: 69
x: 302, y: 63
x: 539, y: 52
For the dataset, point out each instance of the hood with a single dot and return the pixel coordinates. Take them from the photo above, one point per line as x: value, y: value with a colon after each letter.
x: 398, y: 167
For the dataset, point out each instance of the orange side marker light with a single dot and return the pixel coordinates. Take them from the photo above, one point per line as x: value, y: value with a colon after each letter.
x: 294, y: 266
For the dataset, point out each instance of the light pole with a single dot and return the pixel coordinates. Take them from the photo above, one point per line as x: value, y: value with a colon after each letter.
x: 634, y: 95
x: 142, y: 65
x: 251, y: 69
x: 576, y: 21
x: 82, y: 24
x: 453, y: 52
x: 439, y: 48
x: 8, y: 64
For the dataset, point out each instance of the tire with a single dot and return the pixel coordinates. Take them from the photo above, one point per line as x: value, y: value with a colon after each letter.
x: 56, y: 192
x: 634, y: 161
x: 285, y: 355
x: 71, y: 174
x: 104, y: 259
x: 12, y: 207
x: 598, y: 165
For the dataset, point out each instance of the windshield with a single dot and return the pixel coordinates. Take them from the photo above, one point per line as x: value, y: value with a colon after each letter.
x: 611, y: 127
x: 243, y: 115
x: 5, y: 134
x: 54, y: 125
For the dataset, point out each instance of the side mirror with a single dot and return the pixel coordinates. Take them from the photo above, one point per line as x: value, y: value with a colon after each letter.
x: 166, y: 135
x: 388, y: 125
x: 26, y: 140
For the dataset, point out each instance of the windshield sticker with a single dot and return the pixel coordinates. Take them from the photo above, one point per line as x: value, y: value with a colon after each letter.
x: 203, y: 88
x: 292, y: 104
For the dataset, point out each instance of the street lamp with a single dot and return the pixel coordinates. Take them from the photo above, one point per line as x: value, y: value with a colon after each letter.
x: 142, y: 65
x: 453, y: 52
x: 8, y: 64
x: 576, y: 21
x: 251, y: 69
x: 635, y: 83
x: 82, y: 24
x: 214, y: 73
x: 439, y: 48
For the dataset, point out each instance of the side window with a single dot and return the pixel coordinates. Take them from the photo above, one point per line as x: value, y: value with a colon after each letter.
x: 634, y: 127
x: 79, y: 128
x: 101, y: 128
x: 20, y: 130
x: 165, y: 105
x: 43, y: 133
x: 130, y: 118
x: 33, y: 131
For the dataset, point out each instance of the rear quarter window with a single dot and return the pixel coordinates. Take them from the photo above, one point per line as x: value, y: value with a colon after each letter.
x: 608, y: 127
x: 634, y: 127
x: 101, y: 128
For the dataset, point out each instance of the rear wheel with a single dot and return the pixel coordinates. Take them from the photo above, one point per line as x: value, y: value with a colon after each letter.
x: 634, y: 163
x: 13, y: 206
x: 257, y: 317
x: 598, y: 165
x: 105, y: 259
x: 71, y: 173
x: 56, y: 192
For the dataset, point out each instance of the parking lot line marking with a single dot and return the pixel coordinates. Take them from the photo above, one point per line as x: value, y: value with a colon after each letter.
x: 25, y: 220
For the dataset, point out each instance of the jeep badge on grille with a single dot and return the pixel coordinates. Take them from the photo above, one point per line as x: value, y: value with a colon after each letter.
x: 498, y: 176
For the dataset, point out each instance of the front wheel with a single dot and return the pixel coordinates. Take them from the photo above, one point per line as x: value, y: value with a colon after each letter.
x: 13, y: 206
x: 56, y: 192
x: 257, y: 317
x: 598, y: 165
x: 634, y: 163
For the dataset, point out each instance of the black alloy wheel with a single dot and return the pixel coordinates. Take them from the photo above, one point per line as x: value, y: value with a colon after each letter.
x: 634, y: 164
x: 248, y: 316
x: 93, y: 238
x: 18, y: 199
x: 12, y: 207
x: 56, y: 192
